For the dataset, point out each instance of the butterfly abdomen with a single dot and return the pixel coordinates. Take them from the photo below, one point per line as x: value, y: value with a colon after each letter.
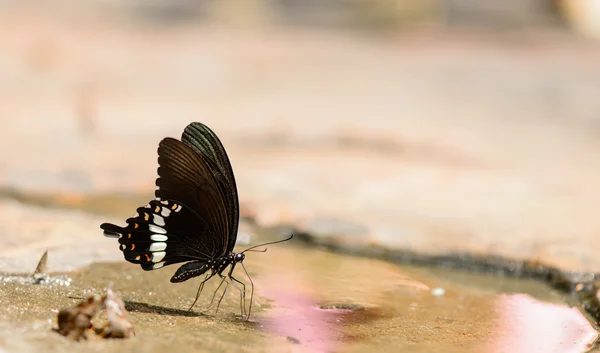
x: 190, y: 270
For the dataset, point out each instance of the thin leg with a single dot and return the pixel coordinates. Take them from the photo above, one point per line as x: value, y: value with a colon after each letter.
x: 215, y: 293
x: 208, y: 276
x: 242, y: 293
x: 222, y: 295
x: 251, y: 290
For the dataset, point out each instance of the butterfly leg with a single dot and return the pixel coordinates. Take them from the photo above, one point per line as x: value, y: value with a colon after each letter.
x: 208, y: 276
x: 251, y: 290
x: 215, y: 294
x: 242, y: 294
x: 222, y: 295
x: 242, y: 290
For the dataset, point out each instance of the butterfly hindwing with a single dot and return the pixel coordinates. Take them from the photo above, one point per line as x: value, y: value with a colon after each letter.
x: 162, y: 233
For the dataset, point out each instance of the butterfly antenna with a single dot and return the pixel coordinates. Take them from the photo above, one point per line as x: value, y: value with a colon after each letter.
x: 254, y: 250
x: 252, y: 287
x: 269, y: 243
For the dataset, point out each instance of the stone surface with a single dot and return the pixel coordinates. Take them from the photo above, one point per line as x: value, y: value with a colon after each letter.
x: 378, y: 306
x: 73, y: 239
x: 432, y: 142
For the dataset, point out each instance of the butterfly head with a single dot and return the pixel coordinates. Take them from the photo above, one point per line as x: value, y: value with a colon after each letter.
x: 239, y: 257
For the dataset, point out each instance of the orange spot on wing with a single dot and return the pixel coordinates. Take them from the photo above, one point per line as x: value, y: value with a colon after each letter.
x: 174, y: 206
x: 147, y: 257
x: 128, y: 235
x: 132, y: 246
x: 135, y: 225
x: 146, y: 217
x: 157, y: 209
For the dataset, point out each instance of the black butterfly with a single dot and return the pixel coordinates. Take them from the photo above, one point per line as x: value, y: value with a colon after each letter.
x: 195, y: 215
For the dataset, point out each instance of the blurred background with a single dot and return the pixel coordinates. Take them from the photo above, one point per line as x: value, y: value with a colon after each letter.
x: 430, y: 125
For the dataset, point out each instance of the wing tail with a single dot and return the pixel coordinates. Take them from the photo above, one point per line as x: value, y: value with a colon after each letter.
x: 112, y: 230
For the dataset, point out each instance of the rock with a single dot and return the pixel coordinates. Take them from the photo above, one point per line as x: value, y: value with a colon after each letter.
x: 74, y: 238
x: 40, y: 274
x: 118, y: 325
x: 461, y: 147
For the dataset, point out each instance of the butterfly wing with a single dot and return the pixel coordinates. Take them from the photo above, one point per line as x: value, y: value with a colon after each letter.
x: 186, y: 177
x: 206, y: 143
x: 162, y: 233
x: 195, y: 225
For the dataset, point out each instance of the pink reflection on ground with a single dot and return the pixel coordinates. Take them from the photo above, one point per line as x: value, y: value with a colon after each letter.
x: 528, y: 325
x: 296, y: 315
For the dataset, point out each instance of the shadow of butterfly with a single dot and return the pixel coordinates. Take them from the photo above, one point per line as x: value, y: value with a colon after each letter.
x: 194, y: 217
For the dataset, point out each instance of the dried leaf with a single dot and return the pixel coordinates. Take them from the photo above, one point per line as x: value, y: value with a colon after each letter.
x: 74, y: 322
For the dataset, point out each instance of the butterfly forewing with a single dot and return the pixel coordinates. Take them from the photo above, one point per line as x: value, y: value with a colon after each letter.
x: 184, y: 176
x: 206, y: 143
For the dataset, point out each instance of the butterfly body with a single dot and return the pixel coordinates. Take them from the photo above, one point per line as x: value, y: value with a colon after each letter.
x: 216, y: 267
x: 194, y: 216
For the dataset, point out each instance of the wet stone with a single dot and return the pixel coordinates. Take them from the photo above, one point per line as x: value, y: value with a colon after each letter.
x: 319, y: 302
x: 56, y: 280
x: 321, y: 299
x: 293, y: 340
x: 342, y: 306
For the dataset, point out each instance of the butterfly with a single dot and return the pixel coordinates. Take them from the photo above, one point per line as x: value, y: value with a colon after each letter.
x: 194, y: 217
